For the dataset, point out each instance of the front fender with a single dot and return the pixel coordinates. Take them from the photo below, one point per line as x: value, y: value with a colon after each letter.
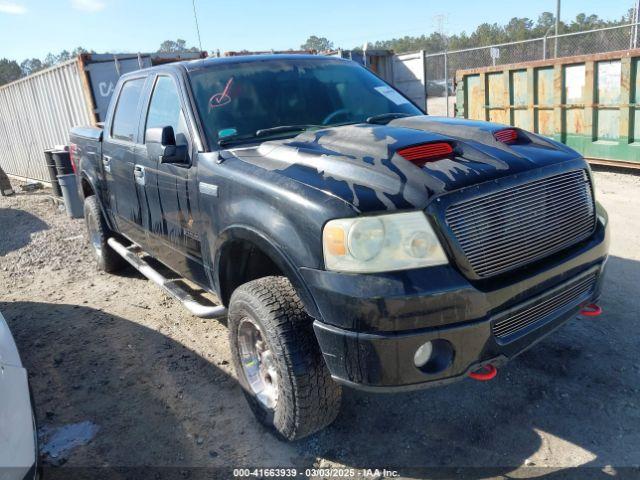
x: 281, y: 216
x: 270, y: 248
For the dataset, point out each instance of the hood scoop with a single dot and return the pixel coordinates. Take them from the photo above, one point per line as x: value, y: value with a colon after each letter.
x: 428, y: 152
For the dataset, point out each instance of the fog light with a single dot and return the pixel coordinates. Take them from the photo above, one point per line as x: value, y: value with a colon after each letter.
x: 423, y: 354
x: 434, y: 356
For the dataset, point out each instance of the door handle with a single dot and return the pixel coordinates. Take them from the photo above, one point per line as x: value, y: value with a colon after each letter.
x: 106, y: 161
x: 138, y: 173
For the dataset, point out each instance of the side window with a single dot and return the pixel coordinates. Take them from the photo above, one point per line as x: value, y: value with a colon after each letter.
x: 165, y: 110
x: 125, y: 120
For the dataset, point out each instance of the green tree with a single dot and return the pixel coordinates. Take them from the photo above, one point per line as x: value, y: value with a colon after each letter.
x: 31, y: 65
x: 9, y: 71
x: 319, y: 44
x: 491, y: 33
x: 585, y: 22
x: 50, y: 60
x: 518, y: 29
x: 488, y: 33
x: 177, y: 46
x: 63, y: 56
x: 545, y: 23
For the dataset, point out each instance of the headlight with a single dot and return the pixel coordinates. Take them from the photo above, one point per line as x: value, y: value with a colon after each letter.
x: 365, y: 238
x: 381, y: 243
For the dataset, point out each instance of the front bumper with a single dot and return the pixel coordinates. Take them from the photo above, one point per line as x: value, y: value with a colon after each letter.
x: 371, y: 325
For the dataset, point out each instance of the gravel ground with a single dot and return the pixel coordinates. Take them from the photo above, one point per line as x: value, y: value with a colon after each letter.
x: 113, y: 356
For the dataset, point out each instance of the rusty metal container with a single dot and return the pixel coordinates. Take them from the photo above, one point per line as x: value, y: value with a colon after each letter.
x: 591, y: 102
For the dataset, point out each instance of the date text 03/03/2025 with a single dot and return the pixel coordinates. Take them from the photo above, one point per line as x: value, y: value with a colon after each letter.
x: 314, y: 473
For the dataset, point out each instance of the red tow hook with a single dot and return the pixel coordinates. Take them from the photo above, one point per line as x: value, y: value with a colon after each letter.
x: 484, y: 374
x: 591, y: 310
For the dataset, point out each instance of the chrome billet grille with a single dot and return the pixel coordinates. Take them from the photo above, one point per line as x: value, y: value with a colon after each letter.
x: 518, y: 225
x: 534, y: 311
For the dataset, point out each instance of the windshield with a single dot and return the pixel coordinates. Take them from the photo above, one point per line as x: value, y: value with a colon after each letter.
x: 235, y: 100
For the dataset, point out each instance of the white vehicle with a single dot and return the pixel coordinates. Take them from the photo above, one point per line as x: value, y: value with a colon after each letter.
x: 18, y: 441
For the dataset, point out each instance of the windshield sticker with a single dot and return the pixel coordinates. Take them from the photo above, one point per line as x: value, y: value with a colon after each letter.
x: 222, y: 98
x: 392, y: 95
x: 227, y: 132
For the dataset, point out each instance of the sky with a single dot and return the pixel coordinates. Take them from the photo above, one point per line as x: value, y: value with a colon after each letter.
x: 33, y: 28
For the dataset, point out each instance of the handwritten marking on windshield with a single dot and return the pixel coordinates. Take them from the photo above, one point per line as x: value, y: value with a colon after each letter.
x: 222, y: 98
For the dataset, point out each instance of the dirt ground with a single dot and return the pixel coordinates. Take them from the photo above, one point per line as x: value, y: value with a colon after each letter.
x: 156, y: 387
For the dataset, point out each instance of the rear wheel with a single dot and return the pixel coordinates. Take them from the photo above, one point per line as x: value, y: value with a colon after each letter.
x: 106, y: 258
x: 278, y: 360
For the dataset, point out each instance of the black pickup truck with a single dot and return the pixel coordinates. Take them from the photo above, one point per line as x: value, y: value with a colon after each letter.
x: 350, y: 239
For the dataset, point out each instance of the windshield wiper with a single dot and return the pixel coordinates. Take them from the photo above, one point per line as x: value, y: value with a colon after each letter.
x: 228, y: 140
x: 387, y: 117
x: 283, y: 128
x: 263, y: 132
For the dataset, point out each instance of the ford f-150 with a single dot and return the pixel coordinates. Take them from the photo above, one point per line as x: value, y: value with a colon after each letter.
x: 350, y: 239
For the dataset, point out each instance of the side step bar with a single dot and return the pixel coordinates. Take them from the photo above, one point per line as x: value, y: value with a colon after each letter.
x: 197, y: 309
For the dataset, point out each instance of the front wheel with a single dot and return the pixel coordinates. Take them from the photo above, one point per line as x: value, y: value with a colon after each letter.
x: 278, y: 360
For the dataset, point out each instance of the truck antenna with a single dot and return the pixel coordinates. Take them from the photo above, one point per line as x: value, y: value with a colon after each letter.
x: 195, y: 17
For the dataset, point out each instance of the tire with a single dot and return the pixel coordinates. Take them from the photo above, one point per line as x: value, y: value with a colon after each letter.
x: 106, y: 258
x: 307, y: 397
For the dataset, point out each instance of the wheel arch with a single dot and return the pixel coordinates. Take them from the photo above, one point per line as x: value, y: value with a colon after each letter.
x: 87, y: 187
x: 239, y: 249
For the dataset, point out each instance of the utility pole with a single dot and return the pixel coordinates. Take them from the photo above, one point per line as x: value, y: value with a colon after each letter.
x: 440, y: 20
x: 555, y: 46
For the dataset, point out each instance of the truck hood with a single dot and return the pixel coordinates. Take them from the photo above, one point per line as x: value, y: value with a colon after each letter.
x: 360, y: 164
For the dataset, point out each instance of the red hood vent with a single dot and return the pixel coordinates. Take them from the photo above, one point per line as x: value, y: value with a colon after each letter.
x: 508, y: 135
x: 427, y: 152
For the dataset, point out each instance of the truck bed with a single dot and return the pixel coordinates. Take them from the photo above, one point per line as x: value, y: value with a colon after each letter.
x: 89, y: 133
x: 86, y: 144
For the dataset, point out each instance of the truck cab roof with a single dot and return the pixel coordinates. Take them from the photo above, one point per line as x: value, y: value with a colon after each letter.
x: 211, y: 62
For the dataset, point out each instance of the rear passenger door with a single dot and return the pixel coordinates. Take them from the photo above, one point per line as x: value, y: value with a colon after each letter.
x: 118, y: 159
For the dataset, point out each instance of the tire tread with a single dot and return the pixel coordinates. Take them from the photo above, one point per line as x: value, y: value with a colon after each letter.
x: 311, y: 397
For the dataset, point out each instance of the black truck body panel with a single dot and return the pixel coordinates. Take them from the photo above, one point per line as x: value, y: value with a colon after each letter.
x: 277, y: 195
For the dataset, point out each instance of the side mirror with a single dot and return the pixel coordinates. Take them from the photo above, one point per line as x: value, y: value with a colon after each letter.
x: 166, y: 139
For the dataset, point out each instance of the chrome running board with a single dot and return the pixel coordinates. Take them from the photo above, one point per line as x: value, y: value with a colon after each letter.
x: 130, y: 254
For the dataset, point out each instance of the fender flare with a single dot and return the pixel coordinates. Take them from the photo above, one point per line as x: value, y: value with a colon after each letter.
x: 84, y: 175
x: 276, y: 254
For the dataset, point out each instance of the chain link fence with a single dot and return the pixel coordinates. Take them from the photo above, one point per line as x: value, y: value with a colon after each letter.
x: 440, y: 68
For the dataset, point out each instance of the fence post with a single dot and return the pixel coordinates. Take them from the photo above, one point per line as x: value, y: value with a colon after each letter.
x: 555, y: 44
x: 446, y: 83
x: 636, y: 19
x: 424, y: 79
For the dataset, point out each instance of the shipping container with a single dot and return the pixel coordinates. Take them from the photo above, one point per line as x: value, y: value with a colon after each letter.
x: 409, y: 76
x: 591, y: 102
x: 37, y: 112
x: 378, y: 61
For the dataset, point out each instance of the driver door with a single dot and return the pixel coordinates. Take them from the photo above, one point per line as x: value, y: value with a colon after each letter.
x: 168, y: 191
